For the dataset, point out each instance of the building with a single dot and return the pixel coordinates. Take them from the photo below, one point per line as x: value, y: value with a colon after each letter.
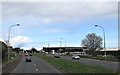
x: 109, y: 51
x: 71, y: 50
x: 80, y: 50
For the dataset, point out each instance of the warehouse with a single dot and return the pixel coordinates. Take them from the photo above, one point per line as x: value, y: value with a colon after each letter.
x: 109, y: 51
x: 52, y: 50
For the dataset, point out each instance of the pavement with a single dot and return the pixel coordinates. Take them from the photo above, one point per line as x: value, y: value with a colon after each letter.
x: 0, y: 66
x: 0, y: 62
x: 36, y: 66
x: 9, y: 67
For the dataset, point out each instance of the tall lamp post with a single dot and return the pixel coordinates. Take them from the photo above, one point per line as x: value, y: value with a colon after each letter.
x: 104, y: 39
x: 60, y: 44
x: 9, y: 38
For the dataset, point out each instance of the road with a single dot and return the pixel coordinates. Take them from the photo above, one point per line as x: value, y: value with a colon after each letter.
x: 106, y: 64
x: 36, y: 66
x: 0, y: 62
x: 39, y: 66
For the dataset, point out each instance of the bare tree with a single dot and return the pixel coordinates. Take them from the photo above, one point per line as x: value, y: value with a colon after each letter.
x: 92, y: 42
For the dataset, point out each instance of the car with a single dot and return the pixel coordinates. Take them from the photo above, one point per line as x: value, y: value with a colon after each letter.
x: 30, y: 55
x: 26, y: 54
x: 75, y: 57
x: 28, y: 59
x: 57, y: 55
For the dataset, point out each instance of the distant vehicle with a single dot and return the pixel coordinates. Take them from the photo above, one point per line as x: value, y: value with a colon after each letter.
x: 75, y: 57
x: 30, y: 55
x: 28, y: 59
x: 57, y: 55
x: 26, y: 54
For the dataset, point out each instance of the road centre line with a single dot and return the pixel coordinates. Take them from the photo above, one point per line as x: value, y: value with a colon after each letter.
x: 34, y: 64
x: 36, y: 69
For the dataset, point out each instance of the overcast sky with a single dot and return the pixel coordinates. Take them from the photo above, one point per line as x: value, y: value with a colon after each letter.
x: 48, y: 22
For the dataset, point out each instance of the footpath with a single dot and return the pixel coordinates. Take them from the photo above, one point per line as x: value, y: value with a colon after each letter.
x: 8, y: 68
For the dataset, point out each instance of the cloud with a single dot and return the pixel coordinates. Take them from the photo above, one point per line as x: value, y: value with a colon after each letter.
x: 46, y: 20
x: 0, y: 13
x: 55, y: 10
x: 59, y: 0
x: 20, y: 41
x: 51, y: 31
x: 2, y: 40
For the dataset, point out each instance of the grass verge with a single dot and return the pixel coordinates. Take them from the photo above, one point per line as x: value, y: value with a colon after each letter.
x: 11, y: 58
x: 108, y: 58
x: 71, y: 66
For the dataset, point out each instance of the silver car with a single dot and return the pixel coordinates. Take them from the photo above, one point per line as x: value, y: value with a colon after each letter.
x: 57, y: 55
x: 75, y: 57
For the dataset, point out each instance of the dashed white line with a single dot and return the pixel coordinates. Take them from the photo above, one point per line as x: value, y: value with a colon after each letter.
x: 37, y: 69
x: 34, y: 64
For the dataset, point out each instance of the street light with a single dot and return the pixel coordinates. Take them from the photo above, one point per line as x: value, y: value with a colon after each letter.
x: 9, y: 37
x: 104, y: 39
x: 60, y: 44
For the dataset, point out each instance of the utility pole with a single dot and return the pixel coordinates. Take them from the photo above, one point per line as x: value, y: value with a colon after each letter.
x: 104, y: 39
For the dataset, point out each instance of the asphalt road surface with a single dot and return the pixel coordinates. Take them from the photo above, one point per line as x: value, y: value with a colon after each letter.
x: 0, y: 66
x: 36, y: 66
x: 106, y: 64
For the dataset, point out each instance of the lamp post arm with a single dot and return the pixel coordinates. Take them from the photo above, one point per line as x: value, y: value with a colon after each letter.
x: 103, y: 38
x: 103, y: 33
x: 9, y: 32
x: 9, y: 38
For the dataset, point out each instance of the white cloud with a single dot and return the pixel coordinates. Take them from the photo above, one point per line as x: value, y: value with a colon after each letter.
x: 26, y: 48
x: 63, y: 10
x: 46, y: 20
x: 52, y: 30
x: 0, y: 19
x: 2, y: 40
x: 20, y: 41
x: 59, y: 0
x: 54, y: 11
x: 0, y: 14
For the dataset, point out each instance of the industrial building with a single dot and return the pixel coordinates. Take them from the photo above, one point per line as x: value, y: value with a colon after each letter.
x: 80, y: 50
x: 71, y: 50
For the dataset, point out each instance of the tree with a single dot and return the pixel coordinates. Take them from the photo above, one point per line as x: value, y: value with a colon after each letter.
x: 3, y: 49
x: 33, y: 50
x: 17, y: 49
x: 92, y: 42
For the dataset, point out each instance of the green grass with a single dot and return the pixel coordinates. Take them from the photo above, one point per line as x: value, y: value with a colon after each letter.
x: 108, y: 58
x: 73, y: 67
x: 5, y: 60
x: 11, y: 58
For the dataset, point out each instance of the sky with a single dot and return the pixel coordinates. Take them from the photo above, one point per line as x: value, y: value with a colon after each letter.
x: 46, y: 23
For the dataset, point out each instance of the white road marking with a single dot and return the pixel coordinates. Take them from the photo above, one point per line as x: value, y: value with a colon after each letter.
x: 22, y: 60
x: 34, y: 64
x: 37, y: 69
